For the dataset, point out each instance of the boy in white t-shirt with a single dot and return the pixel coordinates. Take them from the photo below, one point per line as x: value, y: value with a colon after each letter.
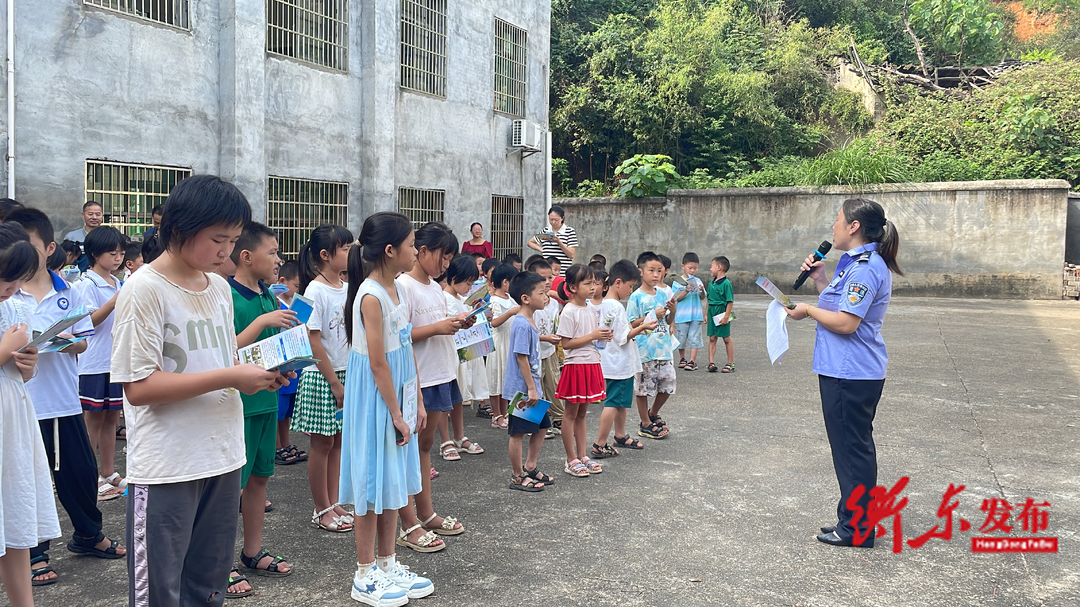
x: 547, y: 321
x: 174, y: 350
x: 619, y: 359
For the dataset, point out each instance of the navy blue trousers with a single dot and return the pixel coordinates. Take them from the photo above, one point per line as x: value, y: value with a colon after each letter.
x: 848, y: 406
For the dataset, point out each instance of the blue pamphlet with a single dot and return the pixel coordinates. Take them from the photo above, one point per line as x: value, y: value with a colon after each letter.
x: 534, y: 414
x: 303, y: 307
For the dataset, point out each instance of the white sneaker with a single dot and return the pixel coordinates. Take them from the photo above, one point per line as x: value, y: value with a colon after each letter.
x: 377, y: 589
x: 415, y: 586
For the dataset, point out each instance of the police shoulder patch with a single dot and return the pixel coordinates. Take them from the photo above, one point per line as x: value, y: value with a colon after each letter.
x: 856, y: 292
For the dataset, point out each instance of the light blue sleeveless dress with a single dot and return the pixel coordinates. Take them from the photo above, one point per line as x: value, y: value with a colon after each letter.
x: 377, y: 474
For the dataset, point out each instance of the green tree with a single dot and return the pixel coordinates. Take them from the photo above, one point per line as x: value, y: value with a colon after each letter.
x: 962, y: 32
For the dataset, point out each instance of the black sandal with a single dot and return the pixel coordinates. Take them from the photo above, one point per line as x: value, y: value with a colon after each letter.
x: 728, y: 368
x: 121, y: 432
x: 629, y: 443
x: 658, y: 421
x: 301, y: 456
x: 234, y: 580
x: 602, y: 451
x: 284, y: 457
x: 271, y: 569
x: 654, y: 430
x: 713, y: 368
x: 484, y: 412
x: 526, y: 483
x: 34, y: 572
x: 91, y: 548
x: 536, y: 475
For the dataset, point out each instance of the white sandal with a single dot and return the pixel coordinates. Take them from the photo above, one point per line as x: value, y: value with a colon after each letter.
x: 115, y: 480
x: 448, y: 525
x: 451, y: 454
x: 495, y: 422
x: 423, y: 544
x: 334, y: 527
x: 473, y: 449
x: 348, y: 517
x: 107, y: 491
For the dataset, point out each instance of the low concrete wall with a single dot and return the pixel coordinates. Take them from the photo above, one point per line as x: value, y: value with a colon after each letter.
x: 1003, y: 239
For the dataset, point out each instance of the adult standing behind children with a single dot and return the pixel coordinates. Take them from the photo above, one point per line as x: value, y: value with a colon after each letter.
x: 849, y: 354
x: 477, y: 244
x: 92, y: 216
x: 174, y: 351
x: 565, y: 244
x: 55, y: 393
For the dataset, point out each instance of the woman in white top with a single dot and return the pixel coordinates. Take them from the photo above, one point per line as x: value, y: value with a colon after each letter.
x: 564, y: 246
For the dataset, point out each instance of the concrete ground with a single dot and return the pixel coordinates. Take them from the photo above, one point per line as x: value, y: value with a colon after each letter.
x: 980, y: 393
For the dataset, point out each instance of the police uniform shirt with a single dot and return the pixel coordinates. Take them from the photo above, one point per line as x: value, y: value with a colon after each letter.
x: 862, y: 286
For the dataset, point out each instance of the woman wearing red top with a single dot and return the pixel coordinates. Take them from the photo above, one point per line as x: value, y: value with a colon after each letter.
x: 478, y: 244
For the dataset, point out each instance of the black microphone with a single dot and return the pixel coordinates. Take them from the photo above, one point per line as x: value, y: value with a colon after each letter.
x: 819, y: 254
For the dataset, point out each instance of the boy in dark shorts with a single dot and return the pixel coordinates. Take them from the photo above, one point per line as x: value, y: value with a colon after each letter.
x: 287, y: 453
x: 523, y: 375
x: 721, y: 300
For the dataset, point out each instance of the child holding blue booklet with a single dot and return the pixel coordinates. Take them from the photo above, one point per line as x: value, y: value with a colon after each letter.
x: 529, y: 290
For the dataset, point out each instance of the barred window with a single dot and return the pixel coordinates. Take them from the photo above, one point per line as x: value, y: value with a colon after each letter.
x: 170, y: 12
x: 510, y: 60
x: 295, y: 207
x: 423, y: 46
x: 422, y: 206
x: 507, y: 225
x: 129, y: 192
x: 315, y: 31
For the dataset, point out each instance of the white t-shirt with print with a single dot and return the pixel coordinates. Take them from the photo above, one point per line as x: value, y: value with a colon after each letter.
x: 619, y: 359
x: 161, y: 326
x: 436, y: 359
x: 546, y: 321
x: 328, y: 318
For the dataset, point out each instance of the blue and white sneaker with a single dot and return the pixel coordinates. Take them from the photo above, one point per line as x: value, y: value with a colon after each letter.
x: 377, y: 589
x: 415, y: 586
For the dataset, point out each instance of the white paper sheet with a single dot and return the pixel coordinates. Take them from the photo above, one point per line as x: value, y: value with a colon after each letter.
x: 776, y: 338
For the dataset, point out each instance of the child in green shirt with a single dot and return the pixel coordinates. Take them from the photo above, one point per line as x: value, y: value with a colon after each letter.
x: 721, y: 300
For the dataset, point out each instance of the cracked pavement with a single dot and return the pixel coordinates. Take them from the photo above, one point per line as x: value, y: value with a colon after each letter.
x: 980, y: 393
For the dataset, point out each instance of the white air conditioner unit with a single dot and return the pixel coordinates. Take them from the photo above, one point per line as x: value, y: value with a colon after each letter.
x: 527, y: 135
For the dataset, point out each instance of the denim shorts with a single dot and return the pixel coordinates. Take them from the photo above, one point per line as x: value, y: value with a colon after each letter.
x: 442, y: 397
x: 689, y: 335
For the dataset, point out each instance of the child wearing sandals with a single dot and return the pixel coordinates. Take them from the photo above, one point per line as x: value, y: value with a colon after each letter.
x: 529, y: 290
x: 380, y: 463
x: 27, y: 507
x: 287, y: 453
x: 503, y: 310
x: 657, y: 376
x: 472, y: 376
x: 619, y: 360
x: 582, y: 380
x: 436, y: 361
x: 322, y: 387
x: 547, y: 321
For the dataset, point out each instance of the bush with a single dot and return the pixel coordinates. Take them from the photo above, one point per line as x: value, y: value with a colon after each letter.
x: 646, y: 175
x: 944, y: 166
x: 591, y: 189
x: 860, y: 163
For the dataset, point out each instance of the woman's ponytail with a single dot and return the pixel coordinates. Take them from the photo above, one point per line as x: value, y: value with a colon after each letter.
x: 875, y: 228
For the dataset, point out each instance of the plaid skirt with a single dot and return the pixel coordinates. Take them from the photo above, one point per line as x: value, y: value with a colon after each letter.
x: 315, y: 405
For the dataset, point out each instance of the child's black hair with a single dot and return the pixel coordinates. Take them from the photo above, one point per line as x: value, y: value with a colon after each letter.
x: 723, y: 263
x: 251, y: 238
x: 539, y: 264
x: 646, y: 257
x: 18, y: 258
x: 601, y: 277
x: 597, y: 266
x: 475, y: 255
x: 532, y: 259
x: 575, y: 275
x: 102, y: 240
x: 623, y: 270
x: 71, y: 247
x: 34, y: 222
x: 489, y: 264
x: 523, y: 284
x: 151, y: 248
x: 57, y: 260
x: 8, y: 205
x: 690, y: 257
x: 553, y: 260
x: 197, y: 203
x: 598, y: 257
x: 512, y: 258
x: 131, y: 251
x: 501, y: 274
x: 290, y: 269
x: 327, y: 237
x: 665, y: 261
x: 380, y: 230
x: 462, y: 269
x: 437, y: 238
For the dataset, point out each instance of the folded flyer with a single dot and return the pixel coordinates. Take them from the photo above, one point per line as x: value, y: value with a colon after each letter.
x: 772, y: 289
x: 287, y: 351
x: 303, y: 306
x: 481, y: 310
x: 479, y: 294
x: 534, y: 413
x: 474, y: 342
x: 48, y: 340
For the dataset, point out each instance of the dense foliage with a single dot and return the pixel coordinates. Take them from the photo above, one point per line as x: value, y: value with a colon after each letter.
x: 738, y: 93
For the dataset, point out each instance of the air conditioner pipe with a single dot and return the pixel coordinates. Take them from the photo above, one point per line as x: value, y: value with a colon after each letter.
x: 11, y: 98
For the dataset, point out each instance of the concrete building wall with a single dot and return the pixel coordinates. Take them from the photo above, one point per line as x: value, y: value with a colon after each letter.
x: 95, y: 84
x: 963, y: 239
x: 1072, y: 235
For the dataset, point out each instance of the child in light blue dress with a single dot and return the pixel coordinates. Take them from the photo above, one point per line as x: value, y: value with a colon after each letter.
x: 380, y: 460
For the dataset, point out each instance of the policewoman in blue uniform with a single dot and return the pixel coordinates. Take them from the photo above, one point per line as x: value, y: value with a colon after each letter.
x: 849, y: 354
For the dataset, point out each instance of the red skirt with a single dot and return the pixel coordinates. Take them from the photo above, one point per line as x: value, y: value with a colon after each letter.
x: 581, y: 384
